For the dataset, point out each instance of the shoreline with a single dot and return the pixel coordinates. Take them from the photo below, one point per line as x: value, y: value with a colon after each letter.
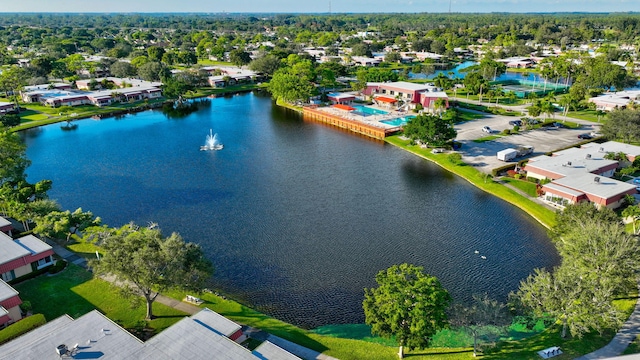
x: 484, y: 182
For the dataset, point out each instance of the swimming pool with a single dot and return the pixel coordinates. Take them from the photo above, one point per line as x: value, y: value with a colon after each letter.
x: 366, y: 111
x: 398, y: 121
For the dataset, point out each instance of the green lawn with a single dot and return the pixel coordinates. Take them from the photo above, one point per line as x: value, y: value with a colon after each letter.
x: 468, y: 116
x: 75, y: 292
x: 528, y: 187
x: 487, y: 138
x: 589, y: 115
x: 482, y: 181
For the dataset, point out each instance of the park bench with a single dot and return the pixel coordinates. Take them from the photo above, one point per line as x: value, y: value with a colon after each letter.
x: 550, y: 352
x: 193, y: 299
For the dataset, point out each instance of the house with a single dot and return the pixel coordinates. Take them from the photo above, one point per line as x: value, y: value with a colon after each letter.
x: 341, y: 98
x: 9, y: 305
x: 576, y: 162
x: 7, y: 107
x: 583, y: 174
x: 22, y: 256
x: 93, y: 335
x: 366, y: 61
x: 425, y: 94
x: 517, y: 62
x: 601, y: 191
x: 6, y: 226
x: 617, y: 100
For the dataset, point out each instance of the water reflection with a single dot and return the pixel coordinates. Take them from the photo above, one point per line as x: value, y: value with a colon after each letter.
x: 296, y: 216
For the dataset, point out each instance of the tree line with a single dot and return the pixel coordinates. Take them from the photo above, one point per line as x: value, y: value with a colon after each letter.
x: 599, y: 260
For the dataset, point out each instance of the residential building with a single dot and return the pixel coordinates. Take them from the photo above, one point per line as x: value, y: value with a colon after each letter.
x: 411, y: 93
x: 583, y: 174
x: 617, y: 100
x: 7, y: 107
x: 93, y: 335
x: 9, y: 305
x: 22, y: 256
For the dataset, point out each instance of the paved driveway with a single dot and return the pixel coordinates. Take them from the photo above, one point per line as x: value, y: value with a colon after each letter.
x: 483, y: 155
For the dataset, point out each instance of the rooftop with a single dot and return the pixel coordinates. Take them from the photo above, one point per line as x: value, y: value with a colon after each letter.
x: 33, y: 244
x: 96, y: 337
x: 599, y: 186
x: 6, y: 291
x: 10, y: 250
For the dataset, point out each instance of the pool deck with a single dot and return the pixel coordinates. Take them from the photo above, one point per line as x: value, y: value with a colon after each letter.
x: 371, y: 120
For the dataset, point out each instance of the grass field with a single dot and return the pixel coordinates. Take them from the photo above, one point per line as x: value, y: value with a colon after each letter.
x: 75, y: 292
x: 528, y: 187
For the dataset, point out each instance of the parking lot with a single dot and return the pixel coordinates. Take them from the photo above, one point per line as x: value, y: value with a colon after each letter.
x: 483, y: 155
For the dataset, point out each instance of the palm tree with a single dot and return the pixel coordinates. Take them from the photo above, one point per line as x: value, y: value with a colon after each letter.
x: 632, y: 212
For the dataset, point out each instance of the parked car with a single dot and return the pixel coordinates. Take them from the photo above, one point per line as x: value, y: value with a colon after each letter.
x: 585, y: 136
x: 531, y: 121
x: 558, y: 125
x: 437, y: 151
x: 487, y: 129
x: 515, y: 122
x: 595, y: 134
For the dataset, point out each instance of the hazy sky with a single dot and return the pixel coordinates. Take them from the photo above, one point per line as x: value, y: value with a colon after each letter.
x: 323, y: 6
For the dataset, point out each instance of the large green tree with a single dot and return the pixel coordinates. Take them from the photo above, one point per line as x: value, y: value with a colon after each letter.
x: 13, y: 158
x: 407, y: 304
x: 484, y: 316
x: 64, y: 224
x: 290, y: 87
x: 148, y: 263
x: 623, y: 125
x: 430, y: 129
x: 599, y: 260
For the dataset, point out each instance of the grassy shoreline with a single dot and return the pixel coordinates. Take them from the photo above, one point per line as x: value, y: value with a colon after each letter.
x: 484, y: 182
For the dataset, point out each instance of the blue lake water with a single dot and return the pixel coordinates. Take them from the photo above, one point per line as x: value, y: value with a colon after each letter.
x: 296, y: 216
x: 456, y: 72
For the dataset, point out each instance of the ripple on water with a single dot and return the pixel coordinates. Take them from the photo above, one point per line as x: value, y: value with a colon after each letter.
x: 297, y: 217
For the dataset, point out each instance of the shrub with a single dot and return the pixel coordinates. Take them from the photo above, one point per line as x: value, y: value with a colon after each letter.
x: 21, y: 327
x: 497, y: 171
x: 30, y: 275
x: 455, y: 157
x: 59, y: 266
x: 511, y: 173
x: 516, y: 128
x: 26, y: 306
x: 506, y: 132
x: 517, y: 176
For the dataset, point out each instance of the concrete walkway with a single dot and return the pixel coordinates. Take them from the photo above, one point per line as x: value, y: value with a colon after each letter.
x: 300, y: 351
x: 627, y: 333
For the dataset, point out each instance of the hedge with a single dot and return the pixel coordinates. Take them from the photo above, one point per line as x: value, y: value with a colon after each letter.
x: 25, y: 325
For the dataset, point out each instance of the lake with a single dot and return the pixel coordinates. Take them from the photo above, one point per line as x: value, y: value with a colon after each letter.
x: 297, y: 217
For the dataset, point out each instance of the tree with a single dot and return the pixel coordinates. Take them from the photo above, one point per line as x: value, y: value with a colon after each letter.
x: 239, y: 57
x: 155, y: 53
x: 148, y: 263
x: 123, y: 69
x: 623, y: 124
x: 393, y: 57
x: 10, y: 120
x: 430, y: 129
x: 407, y: 304
x: 267, y: 64
x: 11, y: 82
x: 151, y: 71
x: 599, y: 260
x: 632, y: 212
x: 290, y: 87
x: 483, y: 312
x: 580, y: 304
x: 64, y: 224
x: 474, y: 82
x: 13, y: 159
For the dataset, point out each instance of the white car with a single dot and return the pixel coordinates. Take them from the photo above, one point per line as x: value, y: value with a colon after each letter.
x: 487, y: 129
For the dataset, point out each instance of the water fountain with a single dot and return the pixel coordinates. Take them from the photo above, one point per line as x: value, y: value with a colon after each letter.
x: 212, y: 142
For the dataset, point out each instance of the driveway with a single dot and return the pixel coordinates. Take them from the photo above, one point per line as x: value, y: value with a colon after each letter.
x: 483, y: 155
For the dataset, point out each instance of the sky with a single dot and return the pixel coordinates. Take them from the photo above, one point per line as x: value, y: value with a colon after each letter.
x: 319, y: 6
